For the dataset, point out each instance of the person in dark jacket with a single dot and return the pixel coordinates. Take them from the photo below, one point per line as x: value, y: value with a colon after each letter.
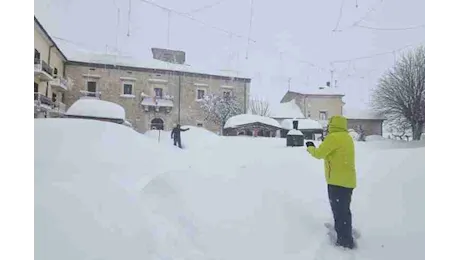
x: 175, y: 135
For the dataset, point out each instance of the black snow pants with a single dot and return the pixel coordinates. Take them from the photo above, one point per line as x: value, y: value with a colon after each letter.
x: 177, y: 142
x: 340, y: 199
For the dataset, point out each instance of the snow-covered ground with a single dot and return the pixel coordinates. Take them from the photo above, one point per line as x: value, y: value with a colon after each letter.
x: 103, y: 191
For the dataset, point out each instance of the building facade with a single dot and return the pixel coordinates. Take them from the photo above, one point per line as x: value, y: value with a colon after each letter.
x: 50, y: 83
x: 157, y: 93
x: 153, y: 98
x: 320, y: 104
x: 323, y: 103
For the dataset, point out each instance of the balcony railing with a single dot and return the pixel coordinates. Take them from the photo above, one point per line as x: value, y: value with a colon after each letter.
x: 41, y: 65
x: 90, y: 94
x: 50, y: 105
x: 41, y: 99
x: 60, y: 82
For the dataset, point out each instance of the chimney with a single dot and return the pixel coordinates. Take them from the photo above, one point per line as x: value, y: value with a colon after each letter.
x: 295, y: 124
x: 171, y: 56
x: 328, y: 84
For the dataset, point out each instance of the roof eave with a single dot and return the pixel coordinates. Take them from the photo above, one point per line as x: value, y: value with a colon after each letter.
x: 49, y: 37
x: 89, y: 63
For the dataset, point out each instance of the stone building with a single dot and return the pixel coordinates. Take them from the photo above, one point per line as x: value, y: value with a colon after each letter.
x: 50, y: 83
x: 324, y: 102
x: 318, y: 104
x: 155, y: 94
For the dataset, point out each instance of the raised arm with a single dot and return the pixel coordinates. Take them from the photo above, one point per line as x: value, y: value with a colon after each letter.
x: 324, y: 149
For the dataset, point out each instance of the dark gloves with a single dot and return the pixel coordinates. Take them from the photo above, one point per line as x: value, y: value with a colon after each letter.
x: 308, y: 144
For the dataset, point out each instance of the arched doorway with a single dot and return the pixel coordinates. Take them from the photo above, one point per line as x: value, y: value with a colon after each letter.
x: 157, y: 124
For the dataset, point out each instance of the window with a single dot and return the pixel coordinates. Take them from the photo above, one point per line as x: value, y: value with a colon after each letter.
x: 91, y: 88
x: 199, y: 124
x: 62, y: 98
x: 55, y: 72
x: 158, y: 92
x: 35, y: 87
x: 54, y: 97
x: 200, y: 94
x: 36, y: 54
x: 227, y: 93
x: 127, y: 89
x: 322, y: 115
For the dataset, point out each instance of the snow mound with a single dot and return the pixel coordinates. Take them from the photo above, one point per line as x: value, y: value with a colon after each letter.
x: 294, y: 132
x: 244, y: 119
x: 306, y: 123
x: 96, y: 108
x: 87, y: 188
x: 375, y: 138
x: 286, y: 110
x: 353, y: 134
x: 195, y: 138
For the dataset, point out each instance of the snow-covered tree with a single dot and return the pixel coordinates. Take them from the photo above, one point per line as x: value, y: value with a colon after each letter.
x: 400, y: 94
x: 259, y: 107
x: 218, y: 109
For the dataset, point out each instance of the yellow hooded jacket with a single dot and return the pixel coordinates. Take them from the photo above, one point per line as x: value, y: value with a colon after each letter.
x: 338, y: 152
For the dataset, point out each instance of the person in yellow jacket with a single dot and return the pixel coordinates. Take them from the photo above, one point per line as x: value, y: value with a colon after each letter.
x: 338, y: 152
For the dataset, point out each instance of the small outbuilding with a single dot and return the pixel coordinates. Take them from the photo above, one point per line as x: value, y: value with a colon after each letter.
x: 251, y: 125
x: 311, y: 129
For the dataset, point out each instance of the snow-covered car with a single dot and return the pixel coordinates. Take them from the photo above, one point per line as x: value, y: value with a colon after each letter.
x: 98, y: 110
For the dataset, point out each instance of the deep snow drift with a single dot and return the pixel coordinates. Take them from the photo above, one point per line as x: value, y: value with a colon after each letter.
x: 104, y: 191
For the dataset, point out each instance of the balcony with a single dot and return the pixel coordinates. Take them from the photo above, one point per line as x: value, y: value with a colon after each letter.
x: 42, y: 70
x: 164, y: 102
x: 43, y: 101
x: 60, y: 83
x: 90, y: 95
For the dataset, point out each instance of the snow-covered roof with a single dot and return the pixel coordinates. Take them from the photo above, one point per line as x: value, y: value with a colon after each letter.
x: 148, y: 62
x: 320, y: 91
x: 305, y: 123
x: 287, y: 110
x: 248, y: 119
x: 294, y: 132
x: 353, y: 113
x: 96, y: 108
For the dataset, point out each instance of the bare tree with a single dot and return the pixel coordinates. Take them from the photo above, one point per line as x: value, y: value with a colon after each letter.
x: 259, y: 107
x: 218, y: 109
x: 400, y: 94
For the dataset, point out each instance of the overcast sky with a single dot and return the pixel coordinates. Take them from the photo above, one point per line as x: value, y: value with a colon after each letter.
x: 293, y: 38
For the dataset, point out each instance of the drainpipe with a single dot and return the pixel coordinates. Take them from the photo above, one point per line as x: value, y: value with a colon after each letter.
x: 305, y: 107
x: 32, y: 76
x: 245, y: 97
x: 49, y: 59
x: 178, y: 119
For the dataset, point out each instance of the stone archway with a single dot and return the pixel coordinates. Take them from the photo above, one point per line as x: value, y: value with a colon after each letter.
x: 157, y: 124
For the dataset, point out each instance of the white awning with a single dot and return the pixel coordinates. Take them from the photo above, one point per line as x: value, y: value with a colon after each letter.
x: 148, y: 101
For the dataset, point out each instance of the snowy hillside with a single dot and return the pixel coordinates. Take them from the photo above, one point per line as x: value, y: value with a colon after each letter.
x: 106, y: 192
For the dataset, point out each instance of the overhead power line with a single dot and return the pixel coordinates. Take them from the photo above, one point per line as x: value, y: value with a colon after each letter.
x: 188, y: 16
x: 206, y: 7
x: 391, y: 29
x: 339, y: 18
x: 375, y: 55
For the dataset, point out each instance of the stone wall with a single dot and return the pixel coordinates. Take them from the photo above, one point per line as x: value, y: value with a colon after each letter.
x: 186, y: 110
x: 370, y: 127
